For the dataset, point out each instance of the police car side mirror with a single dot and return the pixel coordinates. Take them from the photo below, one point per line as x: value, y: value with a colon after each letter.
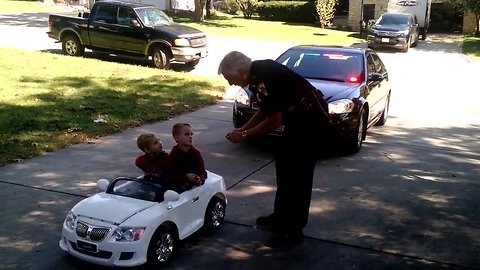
x: 375, y: 77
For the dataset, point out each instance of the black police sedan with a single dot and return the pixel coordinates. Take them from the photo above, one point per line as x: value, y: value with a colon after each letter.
x: 354, y: 82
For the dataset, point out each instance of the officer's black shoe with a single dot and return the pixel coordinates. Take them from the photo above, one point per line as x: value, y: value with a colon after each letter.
x: 268, y: 222
x: 285, y: 240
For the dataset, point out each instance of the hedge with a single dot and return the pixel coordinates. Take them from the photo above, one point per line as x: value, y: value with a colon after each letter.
x: 287, y: 11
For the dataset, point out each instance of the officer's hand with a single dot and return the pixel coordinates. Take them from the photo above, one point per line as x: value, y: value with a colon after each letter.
x: 235, y: 136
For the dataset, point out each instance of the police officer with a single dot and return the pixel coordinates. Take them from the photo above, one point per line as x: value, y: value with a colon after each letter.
x: 284, y: 97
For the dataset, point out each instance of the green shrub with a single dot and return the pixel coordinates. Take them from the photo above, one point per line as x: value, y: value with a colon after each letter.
x: 228, y: 6
x: 287, y: 11
x: 247, y: 7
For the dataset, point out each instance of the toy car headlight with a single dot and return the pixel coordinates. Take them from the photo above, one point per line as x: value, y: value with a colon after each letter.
x: 341, y: 106
x: 70, y: 220
x: 242, y: 97
x: 128, y: 234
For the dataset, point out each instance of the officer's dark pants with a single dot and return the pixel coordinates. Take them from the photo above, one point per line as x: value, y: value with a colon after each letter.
x: 295, y: 166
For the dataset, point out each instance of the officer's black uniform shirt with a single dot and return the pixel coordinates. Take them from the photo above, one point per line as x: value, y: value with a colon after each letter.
x: 277, y: 88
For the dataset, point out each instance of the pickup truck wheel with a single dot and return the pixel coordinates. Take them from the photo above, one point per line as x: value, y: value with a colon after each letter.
x: 160, y: 58
x: 72, y: 46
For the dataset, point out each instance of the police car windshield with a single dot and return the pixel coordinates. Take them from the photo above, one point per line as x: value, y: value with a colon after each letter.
x: 152, y: 16
x: 327, y: 65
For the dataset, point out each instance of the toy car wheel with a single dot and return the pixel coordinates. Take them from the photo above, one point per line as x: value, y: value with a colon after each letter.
x: 162, y: 247
x: 214, y: 214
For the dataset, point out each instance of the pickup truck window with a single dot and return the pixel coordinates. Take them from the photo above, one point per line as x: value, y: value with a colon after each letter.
x: 153, y: 16
x: 125, y: 16
x: 105, y: 14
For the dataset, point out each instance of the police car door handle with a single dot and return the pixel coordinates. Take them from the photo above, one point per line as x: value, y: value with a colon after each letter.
x: 195, y: 199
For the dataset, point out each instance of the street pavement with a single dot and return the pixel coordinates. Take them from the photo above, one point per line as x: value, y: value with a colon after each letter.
x: 409, y: 200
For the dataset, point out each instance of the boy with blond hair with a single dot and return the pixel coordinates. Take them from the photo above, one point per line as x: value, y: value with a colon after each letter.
x: 187, y: 166
x: 155, y: 161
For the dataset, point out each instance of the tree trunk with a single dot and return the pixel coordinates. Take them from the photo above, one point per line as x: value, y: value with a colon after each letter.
x: 198, y: 11
x: 477, y: 18
x: 207, y: 6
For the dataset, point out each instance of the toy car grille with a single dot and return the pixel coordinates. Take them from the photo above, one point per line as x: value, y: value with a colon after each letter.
x: 91, y: 233
x: 98, y: 234
x: 81, y: 229
x: 197, y: 42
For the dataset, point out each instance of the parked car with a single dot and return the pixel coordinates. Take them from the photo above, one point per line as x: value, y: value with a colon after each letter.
x: 354, y: 82
x: 136, y: 221
x: 130, y: 29
x: 397, y: 30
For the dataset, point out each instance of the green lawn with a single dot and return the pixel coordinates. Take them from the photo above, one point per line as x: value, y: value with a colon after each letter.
x: 10, y: 6
x: 235, y: 26
x: 471, y: 47
x: 50, y: 101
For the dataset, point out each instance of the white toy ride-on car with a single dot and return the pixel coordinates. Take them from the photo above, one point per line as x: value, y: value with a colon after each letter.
x: 134, y: 221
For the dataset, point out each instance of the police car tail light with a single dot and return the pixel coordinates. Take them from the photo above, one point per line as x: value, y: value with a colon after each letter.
x: 128, y: 234
x: 353, y: 79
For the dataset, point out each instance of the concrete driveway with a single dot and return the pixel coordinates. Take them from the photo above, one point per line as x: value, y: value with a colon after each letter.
x: 408, y: 200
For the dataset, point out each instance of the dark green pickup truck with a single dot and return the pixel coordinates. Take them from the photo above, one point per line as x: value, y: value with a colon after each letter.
x: 130, y: 29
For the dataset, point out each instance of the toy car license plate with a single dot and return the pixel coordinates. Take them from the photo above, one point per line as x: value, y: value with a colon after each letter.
x: 86, y: 246
x: 385, y: 40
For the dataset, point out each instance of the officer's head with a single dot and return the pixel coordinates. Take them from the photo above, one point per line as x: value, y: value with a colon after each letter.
x: 235, y: 67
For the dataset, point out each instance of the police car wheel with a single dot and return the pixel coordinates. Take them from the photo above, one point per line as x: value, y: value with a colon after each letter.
x: 355, y: 143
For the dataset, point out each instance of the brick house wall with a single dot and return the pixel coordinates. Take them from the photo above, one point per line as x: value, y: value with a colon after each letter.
x: 354, y: 13
x: 469, y: 25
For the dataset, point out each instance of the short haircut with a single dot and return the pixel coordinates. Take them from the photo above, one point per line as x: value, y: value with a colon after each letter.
x: 233, y: 62
x: 177, y: 128
x: 144, y: 140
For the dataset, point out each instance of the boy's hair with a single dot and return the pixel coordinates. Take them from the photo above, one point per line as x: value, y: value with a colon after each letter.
x: 178, y: 127
x: 144, y: 140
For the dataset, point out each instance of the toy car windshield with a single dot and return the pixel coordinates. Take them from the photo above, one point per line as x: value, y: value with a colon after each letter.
x: 137, y: 189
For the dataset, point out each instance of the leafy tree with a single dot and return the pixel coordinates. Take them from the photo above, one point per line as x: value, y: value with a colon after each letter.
x: 325, y: 11
x: 247, y: 7
x: 199, y: 6
x: 472, y: 6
